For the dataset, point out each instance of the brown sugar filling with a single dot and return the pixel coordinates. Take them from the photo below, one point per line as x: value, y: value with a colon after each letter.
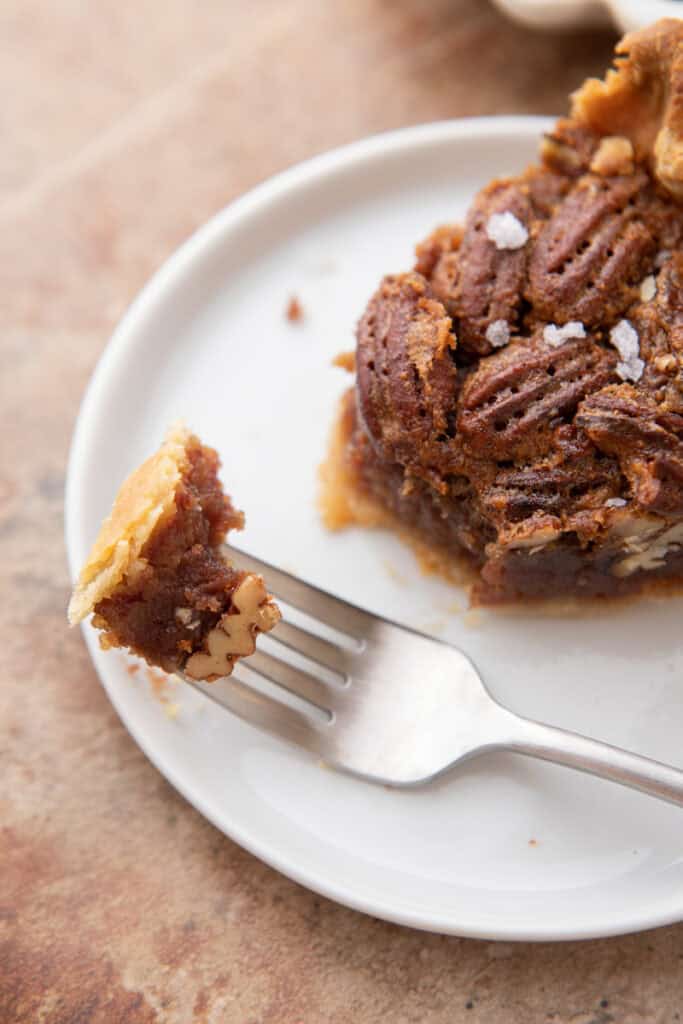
x: 355, y: 491
x: 358, y: 489
x: 181, y: 585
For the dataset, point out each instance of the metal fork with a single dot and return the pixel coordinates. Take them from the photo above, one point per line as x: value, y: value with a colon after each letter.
x: 391, y: 705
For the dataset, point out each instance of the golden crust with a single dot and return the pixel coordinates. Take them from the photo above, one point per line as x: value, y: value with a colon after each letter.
x: 641, y: 99
x: 145, y: 499
x: 614, y: 155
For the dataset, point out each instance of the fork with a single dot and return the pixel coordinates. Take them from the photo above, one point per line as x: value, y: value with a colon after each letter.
x: 392, y: 705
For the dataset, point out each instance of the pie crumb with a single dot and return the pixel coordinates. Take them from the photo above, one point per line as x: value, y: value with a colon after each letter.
x: 294, y: 311
x: 346, y: 361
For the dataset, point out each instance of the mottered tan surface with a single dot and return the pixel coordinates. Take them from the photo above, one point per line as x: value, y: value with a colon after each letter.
x: 124, y: 126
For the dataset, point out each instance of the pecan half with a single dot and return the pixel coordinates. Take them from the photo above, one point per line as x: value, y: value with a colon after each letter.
x: 545, y: 190
x: 406, y: 375
x: 628, y: 424
x: 571, y: 476
x: 512, y: 403
x: 486, y: 283
x: 590, y: 257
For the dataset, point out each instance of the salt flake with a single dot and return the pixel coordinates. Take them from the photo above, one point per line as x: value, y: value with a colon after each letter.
x: 506, y: 231
x: 556, y: 336
x: 498, y: 333
x: 625, y: 339
x: 633, y: 370
x: 648, y: 288
x: 615, y: 503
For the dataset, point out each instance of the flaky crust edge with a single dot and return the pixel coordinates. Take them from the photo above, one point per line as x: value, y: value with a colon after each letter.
x: 145, y: 500
x: 641, y: 98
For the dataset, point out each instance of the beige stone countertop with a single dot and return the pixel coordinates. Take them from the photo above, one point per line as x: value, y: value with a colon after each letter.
x: 125, y: 125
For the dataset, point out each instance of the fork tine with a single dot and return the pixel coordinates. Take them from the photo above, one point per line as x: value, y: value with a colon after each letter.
x: 340, y: 615
x: 264, y: 712
x: 321, y: 651
x: 294, y: 680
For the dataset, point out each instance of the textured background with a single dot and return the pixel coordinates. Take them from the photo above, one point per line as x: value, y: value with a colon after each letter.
x: 124, y: 125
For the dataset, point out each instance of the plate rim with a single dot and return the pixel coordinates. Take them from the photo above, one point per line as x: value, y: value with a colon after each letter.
x: 152, y: 295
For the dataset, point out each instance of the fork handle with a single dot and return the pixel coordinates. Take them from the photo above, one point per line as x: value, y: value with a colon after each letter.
x: 586, y: 755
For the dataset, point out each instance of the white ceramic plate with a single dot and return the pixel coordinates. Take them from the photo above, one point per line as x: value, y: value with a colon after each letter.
x: 568, y: 14
x: 504, y: 847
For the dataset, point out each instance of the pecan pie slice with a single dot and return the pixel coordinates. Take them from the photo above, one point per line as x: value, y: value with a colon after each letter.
x: 519, y: 394
x: 157, y: 579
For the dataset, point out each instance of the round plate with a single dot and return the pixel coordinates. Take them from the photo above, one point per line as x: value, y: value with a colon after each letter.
x: 629, y: 15
x: 504, y: 847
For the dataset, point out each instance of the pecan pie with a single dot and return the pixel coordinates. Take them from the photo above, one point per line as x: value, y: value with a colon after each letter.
x: 519, y: 393
x: 157, y: 579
